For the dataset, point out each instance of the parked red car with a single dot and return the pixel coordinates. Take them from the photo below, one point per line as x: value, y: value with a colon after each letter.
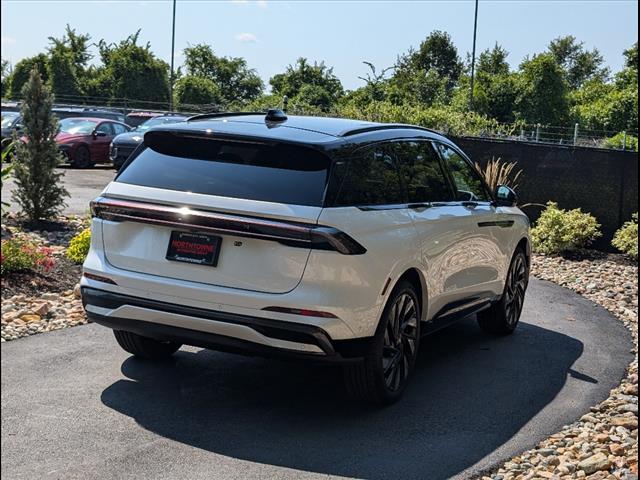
x: 85, y: 141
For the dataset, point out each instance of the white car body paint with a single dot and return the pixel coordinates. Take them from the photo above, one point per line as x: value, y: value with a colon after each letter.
x: 455, y: 260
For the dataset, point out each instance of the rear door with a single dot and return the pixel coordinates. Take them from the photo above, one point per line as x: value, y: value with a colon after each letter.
x: 436, y: 215
x: 245, y: 187
x: 475, y: 264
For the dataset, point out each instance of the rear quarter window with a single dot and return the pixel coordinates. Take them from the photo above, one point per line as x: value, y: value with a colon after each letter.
x: 272, y: 173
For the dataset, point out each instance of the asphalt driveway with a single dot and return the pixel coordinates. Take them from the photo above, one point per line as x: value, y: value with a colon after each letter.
x: 83, y: 186
x: 76, y: 406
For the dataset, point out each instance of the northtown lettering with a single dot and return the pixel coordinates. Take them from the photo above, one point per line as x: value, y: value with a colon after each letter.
x: 181, y: 246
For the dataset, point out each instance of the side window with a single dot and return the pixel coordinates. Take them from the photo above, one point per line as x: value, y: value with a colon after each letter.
x: 422, y: 173
x: 468, y: 184
x: 371, y: 179
x: 118, y: 129
x: 105, y: 127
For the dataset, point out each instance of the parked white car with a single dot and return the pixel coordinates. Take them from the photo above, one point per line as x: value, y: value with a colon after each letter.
x: 313, y: 238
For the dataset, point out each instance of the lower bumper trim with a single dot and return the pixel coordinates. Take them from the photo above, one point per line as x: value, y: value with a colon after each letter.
x: 276, y: 329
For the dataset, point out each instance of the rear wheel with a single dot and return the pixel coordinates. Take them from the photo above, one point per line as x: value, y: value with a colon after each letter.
x: 502, y: 318
x: 82, y: 158
x: 383, y: 374
x: 145, y: 347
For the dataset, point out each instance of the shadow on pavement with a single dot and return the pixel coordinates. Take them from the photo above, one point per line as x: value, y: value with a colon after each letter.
x: 470, y: 394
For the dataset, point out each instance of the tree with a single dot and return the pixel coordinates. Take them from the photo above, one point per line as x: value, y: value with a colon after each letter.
x: 495, y: 89
x: 493, y: 62
x: 192, y: 90
x: 22, y: 71
x: 63, y: 77
x: 542, y: 91
x: 6, y: 77
x: 612, y: 105
x: 437, y: 52
x: 314, y: 84
x: 578, y: 64
x: 375, y: 89
x: 131, y: 71
x: 234, y: 79
x: 39, y: 190
x: 76, y: 45
x: 68, y: 59
x: 631, y: 57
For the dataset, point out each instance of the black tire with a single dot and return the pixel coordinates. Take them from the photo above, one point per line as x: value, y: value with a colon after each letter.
x: 502, y: 317
x: 145, y: 347
x: 82, y: 158
x: 383, y: 374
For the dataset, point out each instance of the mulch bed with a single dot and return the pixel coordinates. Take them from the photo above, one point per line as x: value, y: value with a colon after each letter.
x: 63, y: 276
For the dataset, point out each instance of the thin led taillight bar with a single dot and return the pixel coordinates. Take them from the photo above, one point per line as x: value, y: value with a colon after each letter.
x: 294, y: 234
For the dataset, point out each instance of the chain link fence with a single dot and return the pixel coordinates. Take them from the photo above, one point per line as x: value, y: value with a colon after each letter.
x: 562, y: 135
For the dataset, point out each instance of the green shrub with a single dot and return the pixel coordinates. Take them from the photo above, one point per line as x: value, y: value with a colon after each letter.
x: 445, y: 119
x: 79, y: 246
x: 626, y: 238
x: 618, y: 142
x: 23, y: 256
x: 558, y: 231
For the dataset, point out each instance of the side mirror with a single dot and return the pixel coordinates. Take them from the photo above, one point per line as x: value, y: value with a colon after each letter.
x: 98, y: 134
x: 506, y: 197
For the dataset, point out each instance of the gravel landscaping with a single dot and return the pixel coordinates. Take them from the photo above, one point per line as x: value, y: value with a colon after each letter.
x: 36, y: 302
x: 603, y: 443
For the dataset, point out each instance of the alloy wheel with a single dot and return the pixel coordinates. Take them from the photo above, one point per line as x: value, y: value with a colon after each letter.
x: 400, y: 341
x: 516, y: 287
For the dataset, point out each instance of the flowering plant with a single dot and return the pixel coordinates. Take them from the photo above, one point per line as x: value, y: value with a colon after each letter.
x: 22, y: 256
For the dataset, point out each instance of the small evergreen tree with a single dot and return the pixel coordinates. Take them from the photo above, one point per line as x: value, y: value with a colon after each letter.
x: 39, y: 190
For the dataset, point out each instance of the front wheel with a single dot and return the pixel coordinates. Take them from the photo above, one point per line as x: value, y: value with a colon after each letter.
x: 502, y: 318
x: 82, y: 158
x: 383, y: 374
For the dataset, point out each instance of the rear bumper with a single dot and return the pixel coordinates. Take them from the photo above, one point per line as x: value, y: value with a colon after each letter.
x: 217, y: 330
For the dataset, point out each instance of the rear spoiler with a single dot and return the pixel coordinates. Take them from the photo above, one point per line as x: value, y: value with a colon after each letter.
x: 289, y: 233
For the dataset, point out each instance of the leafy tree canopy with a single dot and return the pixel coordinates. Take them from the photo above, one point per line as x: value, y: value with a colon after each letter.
x: 132, y: 71
x: 235, y: 80
x: 22, y: 71
x: 578, y: 63
x: 542, y: 91
x: 304, y: 82
x: 192, y: 90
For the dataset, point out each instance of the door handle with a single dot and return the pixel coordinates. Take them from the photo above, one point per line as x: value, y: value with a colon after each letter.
x: 417, y: 206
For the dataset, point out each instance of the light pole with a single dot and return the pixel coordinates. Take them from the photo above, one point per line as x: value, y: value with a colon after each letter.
x: 473, y: 56
x: 173, y: 43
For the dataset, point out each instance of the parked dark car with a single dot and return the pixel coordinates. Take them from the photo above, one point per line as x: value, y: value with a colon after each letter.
x: 85, y: 141
x: 124, y: 144
x: 135, y: 119
x: 10, y: 123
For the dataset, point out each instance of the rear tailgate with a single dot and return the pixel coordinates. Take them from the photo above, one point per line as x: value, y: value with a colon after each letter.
x: 256, y: 205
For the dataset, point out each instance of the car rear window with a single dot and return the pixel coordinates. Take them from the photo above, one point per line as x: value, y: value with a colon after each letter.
x: 273, y: 173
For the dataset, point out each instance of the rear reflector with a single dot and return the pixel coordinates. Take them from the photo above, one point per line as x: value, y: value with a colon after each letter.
x: 98, y: 278
x: 300, y: 311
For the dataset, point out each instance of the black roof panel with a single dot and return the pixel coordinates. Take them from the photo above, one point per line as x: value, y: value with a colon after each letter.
x: 295, y: 128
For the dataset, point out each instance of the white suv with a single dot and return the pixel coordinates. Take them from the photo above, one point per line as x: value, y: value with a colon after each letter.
x: 314, y: 238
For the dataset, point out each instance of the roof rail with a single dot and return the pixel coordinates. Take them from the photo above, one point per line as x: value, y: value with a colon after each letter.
x: 388, y: 126
x: 203, y: 116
